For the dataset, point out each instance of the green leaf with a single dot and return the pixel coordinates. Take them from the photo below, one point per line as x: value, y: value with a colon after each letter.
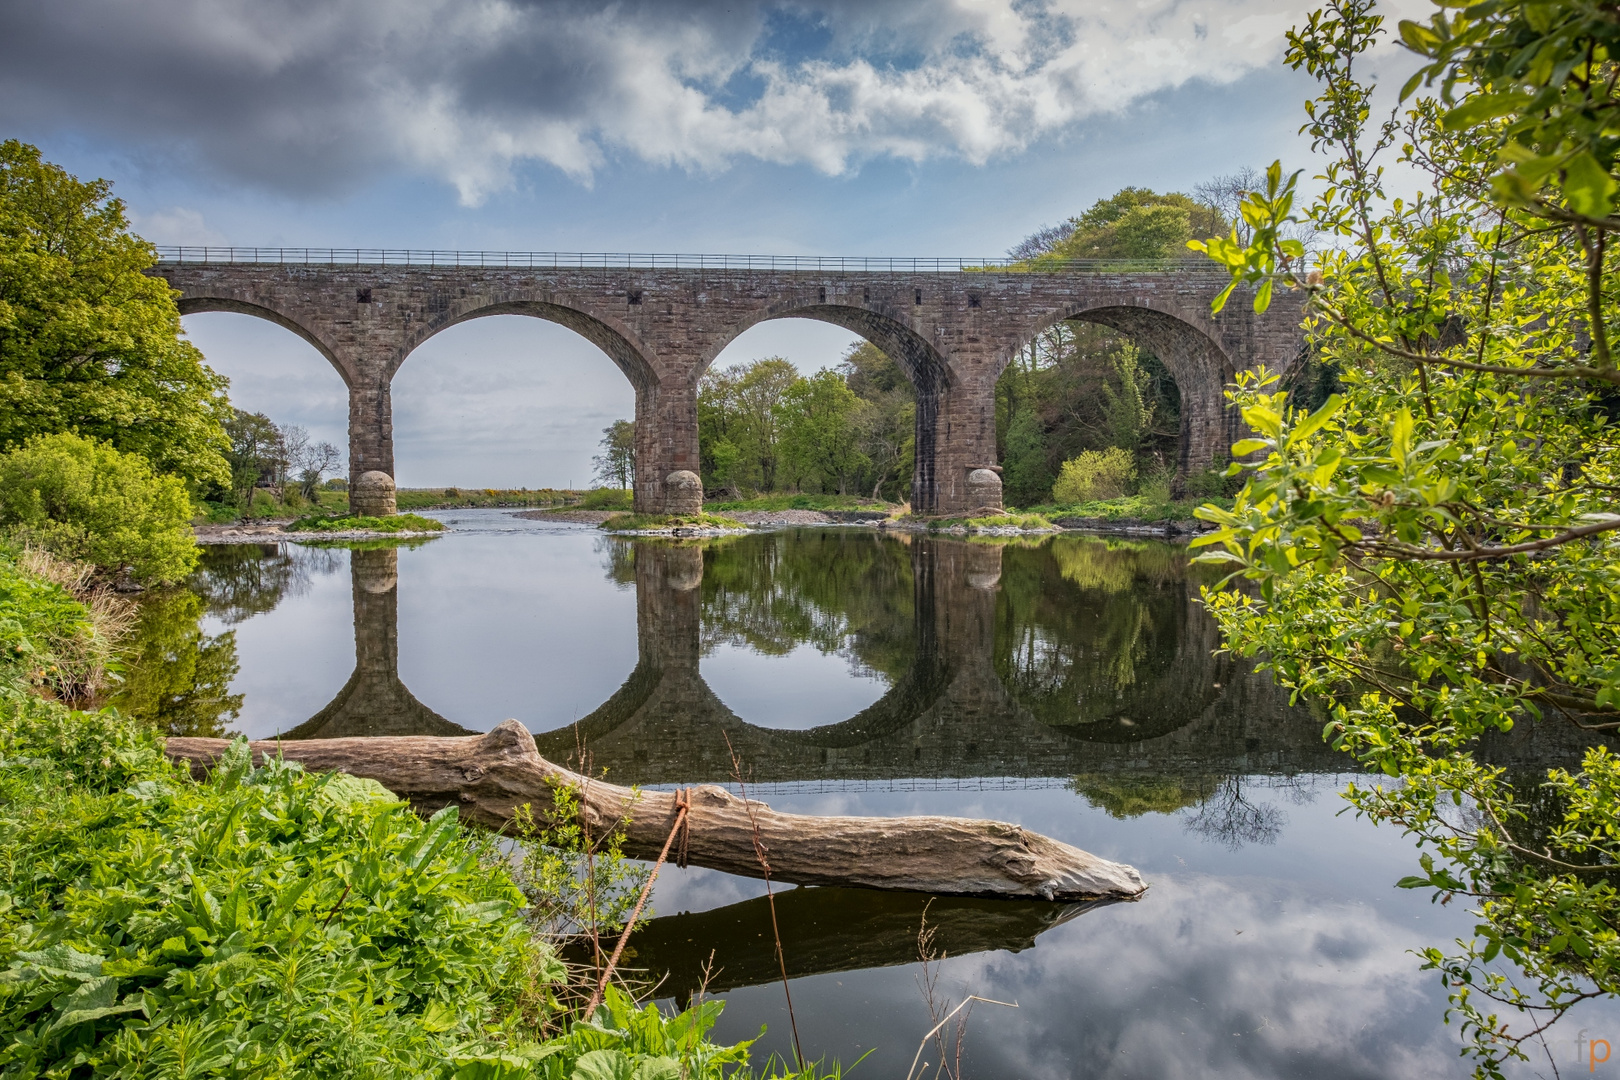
x: 1478, y: 109
x: 64, y: 960
x: 1589, y: 189
x: 1314, y: 421
x: 1244, y: 447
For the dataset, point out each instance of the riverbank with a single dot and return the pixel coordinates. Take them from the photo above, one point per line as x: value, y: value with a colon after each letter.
x: 276, y: 532
x: 412, y: 940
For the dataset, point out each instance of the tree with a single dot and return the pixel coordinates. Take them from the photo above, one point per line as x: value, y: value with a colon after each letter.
x: 1225, y: 194
x: 88, y: 342
x: 307, y: 461
x: 1134, y: 223
x: 1432, y: 551
x: 737, y: 422
x: 887, y: 425
x: 256, y: 454
x: 818, y: 418
x: 616, y: 464
x: 83, y: 499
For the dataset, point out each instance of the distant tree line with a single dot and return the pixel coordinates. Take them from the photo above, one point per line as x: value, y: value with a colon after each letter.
x: 846, y: 430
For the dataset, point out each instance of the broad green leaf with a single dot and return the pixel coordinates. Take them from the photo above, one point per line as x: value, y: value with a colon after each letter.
x: 1589, y: 189
x: 1480, y: 108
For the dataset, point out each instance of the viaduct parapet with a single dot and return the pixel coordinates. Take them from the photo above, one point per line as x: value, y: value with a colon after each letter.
x: 953, y: 331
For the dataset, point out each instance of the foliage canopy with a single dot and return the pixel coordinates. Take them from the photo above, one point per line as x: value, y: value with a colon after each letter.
x: 83, y: 499
x: 1433, y: 549
x: 88, y: 342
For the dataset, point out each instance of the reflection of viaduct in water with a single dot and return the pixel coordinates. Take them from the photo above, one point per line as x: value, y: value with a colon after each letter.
x: 950, y: 715
x: 374, y: 701
x: 1189, y: 711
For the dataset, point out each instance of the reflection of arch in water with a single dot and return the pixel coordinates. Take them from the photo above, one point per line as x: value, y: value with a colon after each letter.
x: 374, y: 701
x: 950, y: 714
x: 1107, y: 639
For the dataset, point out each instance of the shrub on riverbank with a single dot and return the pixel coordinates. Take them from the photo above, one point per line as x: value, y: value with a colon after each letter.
x: 82, y: 499
x: 641, y: 522
x: 1012, y: 520
x: 1129, y: 508
x: 606, y: 499
x: 800, y: 502
x: 319, y: 523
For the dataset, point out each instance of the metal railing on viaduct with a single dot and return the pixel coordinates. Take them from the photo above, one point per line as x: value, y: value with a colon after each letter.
x: 951, y: 324
x: 587, y: 260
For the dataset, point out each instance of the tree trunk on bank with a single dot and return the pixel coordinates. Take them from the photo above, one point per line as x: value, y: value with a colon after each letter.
x: 489, y: 776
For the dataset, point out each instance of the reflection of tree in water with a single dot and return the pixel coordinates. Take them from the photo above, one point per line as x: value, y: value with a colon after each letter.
x: 1092, y: 630
x: 175, y: 676
x: 1230, y: 810
x: 239, y: 581
x: 1129, y: 795
x: 619, y: 556
x: 1233, y: 817
x: 845, y: 593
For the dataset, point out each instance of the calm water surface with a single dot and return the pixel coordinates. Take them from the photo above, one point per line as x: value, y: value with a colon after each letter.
x: 1070, y: 684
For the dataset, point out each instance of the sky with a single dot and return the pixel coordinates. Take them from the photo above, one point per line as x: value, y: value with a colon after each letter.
x: 826, y: 127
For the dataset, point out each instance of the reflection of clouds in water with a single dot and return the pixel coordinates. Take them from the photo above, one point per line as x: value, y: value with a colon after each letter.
x: 801, y: 689
x: 1163, y: 988
x: 1169, y: 987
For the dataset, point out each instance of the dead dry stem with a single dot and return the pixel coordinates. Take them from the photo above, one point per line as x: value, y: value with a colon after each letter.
x: 82, y: 659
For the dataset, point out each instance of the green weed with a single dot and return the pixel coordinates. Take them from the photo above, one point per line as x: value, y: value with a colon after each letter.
x: 801, y: 502
x: 637, y: 522
x: 357, y: 523
x: 606, y: 499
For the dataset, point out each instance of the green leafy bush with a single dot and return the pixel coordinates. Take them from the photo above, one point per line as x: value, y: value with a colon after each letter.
x: 265, y: 922
x: 82, y: 499
x: 393, y: 523
x: 1095, y: 474
x: 606, y: 499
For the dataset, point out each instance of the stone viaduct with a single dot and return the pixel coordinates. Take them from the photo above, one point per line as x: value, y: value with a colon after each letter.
x: 951, y: 326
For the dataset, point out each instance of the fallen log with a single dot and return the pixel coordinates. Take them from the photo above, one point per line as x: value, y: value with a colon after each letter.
x: 490, y: 776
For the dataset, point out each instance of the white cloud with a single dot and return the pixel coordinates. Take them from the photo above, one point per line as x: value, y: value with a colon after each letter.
x: 306, y: 97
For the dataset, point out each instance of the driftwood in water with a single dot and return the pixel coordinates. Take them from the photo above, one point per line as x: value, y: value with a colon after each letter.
x: 489, y: 776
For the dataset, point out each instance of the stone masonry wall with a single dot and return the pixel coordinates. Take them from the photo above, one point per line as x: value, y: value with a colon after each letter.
x: 953, y: 334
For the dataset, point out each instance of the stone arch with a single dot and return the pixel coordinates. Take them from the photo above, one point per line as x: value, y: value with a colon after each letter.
x: 201, y: 305
x: 918, y: 359
x: 622, y: 346
x: 925, y: 366
x: 1185, y: 349
x: 615, y: 339
x: 1198, y: 362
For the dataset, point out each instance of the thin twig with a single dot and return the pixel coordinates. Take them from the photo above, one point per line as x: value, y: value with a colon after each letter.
x: 932, y: 1031
x: 770, y: 899
x: 683, y: 803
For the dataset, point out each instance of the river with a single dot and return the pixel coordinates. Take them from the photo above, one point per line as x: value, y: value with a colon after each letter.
x: 1070, y: 684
